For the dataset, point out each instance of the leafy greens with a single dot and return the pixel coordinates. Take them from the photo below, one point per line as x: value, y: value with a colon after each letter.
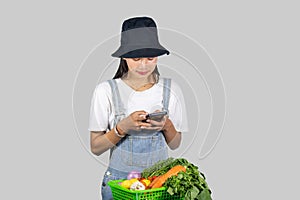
x: 190, y: 184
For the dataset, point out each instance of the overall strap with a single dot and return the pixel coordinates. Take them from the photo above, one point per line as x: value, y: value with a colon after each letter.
x: 118, y: 105
x: 117, y: 102
x: 166, y: 93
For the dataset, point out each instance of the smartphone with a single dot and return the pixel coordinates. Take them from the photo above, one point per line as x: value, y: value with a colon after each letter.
x: 157, y: 116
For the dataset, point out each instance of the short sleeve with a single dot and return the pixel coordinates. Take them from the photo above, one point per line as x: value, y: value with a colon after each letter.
x: 100, y: 108
x: 177, y: 108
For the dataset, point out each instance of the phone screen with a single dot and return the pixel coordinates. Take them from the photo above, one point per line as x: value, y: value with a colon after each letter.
x: 157, y: 116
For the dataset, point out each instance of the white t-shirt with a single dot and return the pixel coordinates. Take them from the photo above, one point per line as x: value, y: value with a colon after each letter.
x: 102, y: 109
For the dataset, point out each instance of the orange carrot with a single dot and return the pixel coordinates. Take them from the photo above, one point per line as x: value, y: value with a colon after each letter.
x: 163, y: 178
x: 154, y: 181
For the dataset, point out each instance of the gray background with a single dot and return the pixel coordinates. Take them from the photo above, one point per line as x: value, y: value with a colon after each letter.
x: 255, y: 45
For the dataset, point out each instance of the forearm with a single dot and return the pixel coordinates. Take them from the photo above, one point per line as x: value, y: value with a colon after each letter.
x: 173, y: 138
x: 100, y: 143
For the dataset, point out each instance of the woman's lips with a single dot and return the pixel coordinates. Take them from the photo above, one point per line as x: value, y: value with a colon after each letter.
x: 142, y: 73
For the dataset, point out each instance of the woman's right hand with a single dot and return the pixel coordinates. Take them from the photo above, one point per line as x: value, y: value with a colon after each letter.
x: 133, y: 122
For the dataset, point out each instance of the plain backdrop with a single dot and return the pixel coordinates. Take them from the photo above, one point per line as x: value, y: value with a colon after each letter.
x: 255, y: 45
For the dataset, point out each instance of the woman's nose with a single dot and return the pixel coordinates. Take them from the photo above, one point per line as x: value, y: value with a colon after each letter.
x: 144, y: 61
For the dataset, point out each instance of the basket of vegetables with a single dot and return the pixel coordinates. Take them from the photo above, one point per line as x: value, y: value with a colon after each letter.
x: 167, y: 179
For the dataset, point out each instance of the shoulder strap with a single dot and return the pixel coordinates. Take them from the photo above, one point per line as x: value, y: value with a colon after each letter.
x: 166, y: 93
x: 118, y: 105
x: 117, y: 102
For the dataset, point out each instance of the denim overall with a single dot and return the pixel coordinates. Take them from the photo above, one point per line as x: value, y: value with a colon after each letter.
x: 138, y: 149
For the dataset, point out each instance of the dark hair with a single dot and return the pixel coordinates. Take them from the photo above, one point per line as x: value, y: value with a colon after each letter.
x: 123, y: 69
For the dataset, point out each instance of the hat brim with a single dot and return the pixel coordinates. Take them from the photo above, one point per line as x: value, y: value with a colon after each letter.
x: 140, y: 52
x: 143, y: 53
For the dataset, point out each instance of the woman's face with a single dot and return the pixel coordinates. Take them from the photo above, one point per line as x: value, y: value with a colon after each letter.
x: 141, y: 67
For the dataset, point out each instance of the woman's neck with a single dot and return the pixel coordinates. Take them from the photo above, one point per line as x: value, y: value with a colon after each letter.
x: 139, y: 83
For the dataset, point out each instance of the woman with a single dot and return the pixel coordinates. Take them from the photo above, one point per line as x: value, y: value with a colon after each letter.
x: 119, y: 106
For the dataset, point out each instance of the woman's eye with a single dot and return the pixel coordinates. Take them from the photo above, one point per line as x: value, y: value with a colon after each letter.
x: 138, y: 59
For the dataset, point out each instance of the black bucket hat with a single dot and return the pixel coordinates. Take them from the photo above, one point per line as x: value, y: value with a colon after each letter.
x: 139, y: 38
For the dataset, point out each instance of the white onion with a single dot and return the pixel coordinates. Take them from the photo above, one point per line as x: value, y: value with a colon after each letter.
x: 137, y: 186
